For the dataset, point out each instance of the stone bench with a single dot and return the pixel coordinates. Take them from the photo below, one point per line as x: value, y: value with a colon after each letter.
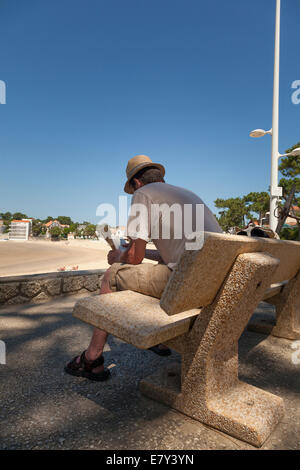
x: 204, y: 309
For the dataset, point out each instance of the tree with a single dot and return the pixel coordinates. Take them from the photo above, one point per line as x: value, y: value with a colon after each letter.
x: 259, y: 203
x: 48, y: 219
x: 290, y: 169
x: 6, y: 223
x: 78, y: 232
x: 73, y: 227
x: 55, y: 232
x: 19, y: 216
x: 90, y: 230
x: 289, y: 234
x: 234, y: 213
x: 64, y: 220
x: 6, y: 216
x: 37, y: 228
x: 66, y: 231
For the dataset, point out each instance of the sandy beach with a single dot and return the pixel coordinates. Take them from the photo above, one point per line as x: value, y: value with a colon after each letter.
x: 42, y: 256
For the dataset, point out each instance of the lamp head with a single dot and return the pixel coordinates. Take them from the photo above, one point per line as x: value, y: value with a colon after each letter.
x: 295, y: 152
x: 258, y: 133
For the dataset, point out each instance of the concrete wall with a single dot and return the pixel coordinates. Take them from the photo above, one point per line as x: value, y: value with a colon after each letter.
x: 38, y: 288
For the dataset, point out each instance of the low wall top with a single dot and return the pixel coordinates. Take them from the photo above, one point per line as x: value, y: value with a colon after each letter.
x: 50, y: 275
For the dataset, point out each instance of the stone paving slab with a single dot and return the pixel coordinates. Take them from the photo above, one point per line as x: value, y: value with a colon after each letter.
x: 43, y: 408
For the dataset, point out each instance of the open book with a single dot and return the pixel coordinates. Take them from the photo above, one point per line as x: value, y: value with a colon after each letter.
x: 114, y: 241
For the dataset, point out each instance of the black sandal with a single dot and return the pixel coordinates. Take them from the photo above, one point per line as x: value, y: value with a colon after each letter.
x: 84, y: 368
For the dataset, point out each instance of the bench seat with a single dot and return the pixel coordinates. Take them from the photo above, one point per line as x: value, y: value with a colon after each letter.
x: 144, y: 326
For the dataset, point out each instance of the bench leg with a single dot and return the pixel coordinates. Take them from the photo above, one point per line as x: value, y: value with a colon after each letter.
x: 209, y: 389
x: 287, y: 305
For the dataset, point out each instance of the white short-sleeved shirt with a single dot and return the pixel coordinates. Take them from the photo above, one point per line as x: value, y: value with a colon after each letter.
x: 166, y: 215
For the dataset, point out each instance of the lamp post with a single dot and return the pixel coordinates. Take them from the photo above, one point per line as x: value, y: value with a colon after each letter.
x: 275, y: 191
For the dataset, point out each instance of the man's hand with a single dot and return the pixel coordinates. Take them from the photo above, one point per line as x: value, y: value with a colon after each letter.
x: 134, y: 254
x: 113, y: 256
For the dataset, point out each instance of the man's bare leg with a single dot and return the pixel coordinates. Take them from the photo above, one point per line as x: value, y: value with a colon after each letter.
x: 99, y: 338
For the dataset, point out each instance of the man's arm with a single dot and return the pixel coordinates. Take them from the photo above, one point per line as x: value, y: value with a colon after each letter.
x: 134, y: 254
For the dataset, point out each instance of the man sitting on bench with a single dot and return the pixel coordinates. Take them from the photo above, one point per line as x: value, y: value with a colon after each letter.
x: 145, y: 180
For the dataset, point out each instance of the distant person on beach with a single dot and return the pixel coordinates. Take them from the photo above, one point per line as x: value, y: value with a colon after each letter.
x: 145, y: 180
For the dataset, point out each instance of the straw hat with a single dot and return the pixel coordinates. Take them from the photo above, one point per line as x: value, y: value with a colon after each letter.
x: 136, y: 164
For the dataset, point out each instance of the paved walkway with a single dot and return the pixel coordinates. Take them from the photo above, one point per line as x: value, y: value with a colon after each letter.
x: 42, y: 408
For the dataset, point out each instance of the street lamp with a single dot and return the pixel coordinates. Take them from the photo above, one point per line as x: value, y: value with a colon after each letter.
x: 260, y: 133
x: 275, y: 191
x: 293, y: 153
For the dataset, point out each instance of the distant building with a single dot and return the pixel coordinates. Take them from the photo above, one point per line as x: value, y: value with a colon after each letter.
x: 20, y: 229
x: 265, y: 221
x: 2, y: 226
x: 51, y: 224
x: 81, y: 227
x: 55, y: 223
x: 290, y: 221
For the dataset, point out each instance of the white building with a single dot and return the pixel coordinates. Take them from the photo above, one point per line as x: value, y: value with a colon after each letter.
x: 20, y: 229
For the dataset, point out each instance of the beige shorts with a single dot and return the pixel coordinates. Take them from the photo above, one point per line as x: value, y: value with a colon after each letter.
x: 146, y: 278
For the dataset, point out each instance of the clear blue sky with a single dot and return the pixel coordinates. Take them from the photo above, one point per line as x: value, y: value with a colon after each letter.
x: 91, y: 83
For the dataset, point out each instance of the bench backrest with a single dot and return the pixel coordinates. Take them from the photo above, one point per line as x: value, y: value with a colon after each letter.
x: 200, y: 273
